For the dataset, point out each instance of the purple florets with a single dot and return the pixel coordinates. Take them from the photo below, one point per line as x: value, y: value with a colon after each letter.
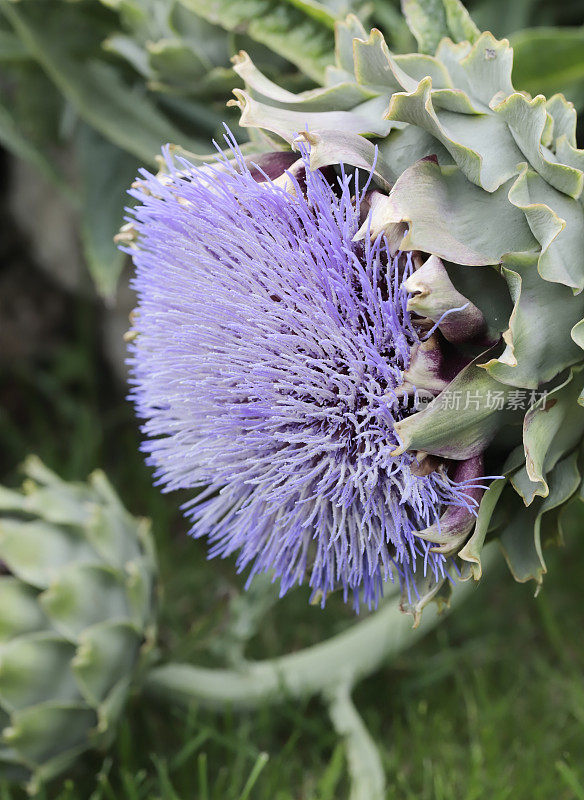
x: 270, y: 347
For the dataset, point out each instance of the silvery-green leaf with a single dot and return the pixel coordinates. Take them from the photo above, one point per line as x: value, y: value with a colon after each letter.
x: 376, y: 66
x: 564, y: 481
x: 567, y: 154
x: 65, y: 504
x: 521, y: 545
x: 109, y: 712
x: 426, y: 196
x: 521, y: 537
x: 471, y: 552
x: 577, y: 333
x: 460, y: 25
x: 346, y: 31
x: 480, y: 144
x: 176, y: 61
x: 486, y: 288
x: 515, y: 459
x: 106, y: 532
x: 419, y: 592
x: 525, y: 487
x: 366, y: 118
x: 403, y: 147
x: 557, y: 222
x: 139, y: 589
x: 564, y: 474
x: 128, y: 48
x: 34, y: 468
x: 372, y: 64
x: 537, y: 345
x: 527, y: 120
x: 333, y: 147
x: 338, y: 97
x: 552, y: 428
x: 482, y: 71
x: 55, y: 765
x: 564, y: 118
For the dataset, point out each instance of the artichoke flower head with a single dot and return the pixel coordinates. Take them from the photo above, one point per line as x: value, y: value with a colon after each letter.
x: 337, y: 362
x: 77, y: 593
x: 274, y: 355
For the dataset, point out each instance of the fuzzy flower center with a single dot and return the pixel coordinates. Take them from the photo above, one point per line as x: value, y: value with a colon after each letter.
x: 270, y: 350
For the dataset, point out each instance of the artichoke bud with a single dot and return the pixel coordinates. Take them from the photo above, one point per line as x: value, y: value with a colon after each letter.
x: 483, y: 185
x: 77, y: 590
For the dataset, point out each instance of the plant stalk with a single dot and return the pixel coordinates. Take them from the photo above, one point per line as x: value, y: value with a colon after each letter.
x: 363, y: 757
x: 347, y: 656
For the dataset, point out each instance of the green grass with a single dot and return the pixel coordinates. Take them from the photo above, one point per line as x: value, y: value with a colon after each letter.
x: 490, y: 705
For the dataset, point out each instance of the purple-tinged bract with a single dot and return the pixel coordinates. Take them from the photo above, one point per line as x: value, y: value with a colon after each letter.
x: 268, y: 356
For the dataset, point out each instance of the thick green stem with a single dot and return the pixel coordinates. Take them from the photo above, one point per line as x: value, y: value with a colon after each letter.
x: 363, y: 757
x: 346, y: 657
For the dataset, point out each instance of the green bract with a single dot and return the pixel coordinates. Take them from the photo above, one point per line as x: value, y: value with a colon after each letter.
x: 486, y: 184
x: 77, y: 596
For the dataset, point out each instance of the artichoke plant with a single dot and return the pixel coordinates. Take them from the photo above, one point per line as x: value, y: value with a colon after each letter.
x: 473, y: 209
x: 77, y: 592
x: 359, y: 345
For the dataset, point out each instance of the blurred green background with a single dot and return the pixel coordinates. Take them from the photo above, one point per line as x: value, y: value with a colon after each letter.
x: 491, y: 705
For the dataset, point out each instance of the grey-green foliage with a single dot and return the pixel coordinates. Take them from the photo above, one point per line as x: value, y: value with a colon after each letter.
x: 547, y: 58
x: 62, y: 90
x: 490, y: 181
x: 137, y: 74
x: 77, y: 591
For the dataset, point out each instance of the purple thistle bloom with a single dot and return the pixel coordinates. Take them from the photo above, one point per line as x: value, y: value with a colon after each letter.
x: 269, y: 353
